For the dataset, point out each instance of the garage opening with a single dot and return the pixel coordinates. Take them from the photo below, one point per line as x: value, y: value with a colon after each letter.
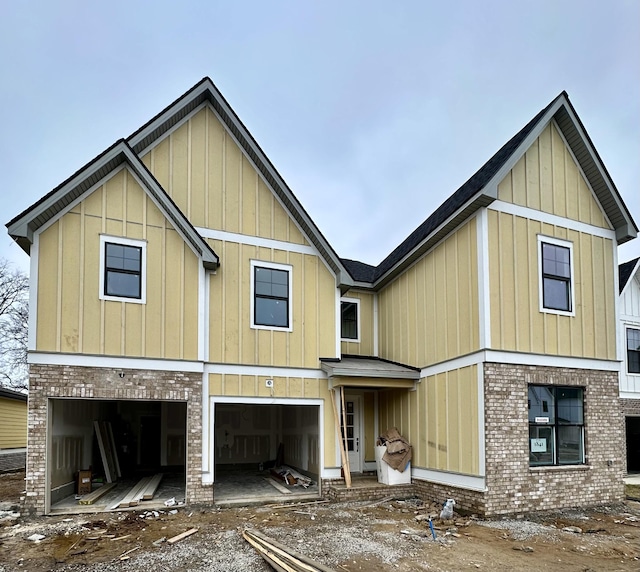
x: 107, y: 455
x: 632, y: 425
x: 266, y: 453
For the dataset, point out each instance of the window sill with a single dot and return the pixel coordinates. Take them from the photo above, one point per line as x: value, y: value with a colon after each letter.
x: 544, y: 468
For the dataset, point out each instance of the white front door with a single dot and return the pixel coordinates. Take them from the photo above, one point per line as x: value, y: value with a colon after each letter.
x: 352, y: 407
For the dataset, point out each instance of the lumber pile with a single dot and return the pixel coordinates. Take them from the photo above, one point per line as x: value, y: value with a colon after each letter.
x: 280, y: 557
x: 143, y: 490
x: 96, y: 494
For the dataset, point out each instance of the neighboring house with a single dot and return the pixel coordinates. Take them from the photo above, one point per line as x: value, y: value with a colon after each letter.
x: 629, y: 309
x: 13, y: 430
x: 180, y: 291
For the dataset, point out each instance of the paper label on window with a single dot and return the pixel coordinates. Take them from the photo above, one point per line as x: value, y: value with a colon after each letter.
x: 538, y: 445
x: 542, y: 420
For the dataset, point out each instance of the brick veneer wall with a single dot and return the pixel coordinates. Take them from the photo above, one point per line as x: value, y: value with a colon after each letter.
x: 630, y: 406
x: 53, y: 381
x: 471, y: 501
x: 513, y: 486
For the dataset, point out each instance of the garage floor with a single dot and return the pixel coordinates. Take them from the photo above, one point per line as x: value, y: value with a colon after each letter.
x: 171, y: 486
x: 242, y: 487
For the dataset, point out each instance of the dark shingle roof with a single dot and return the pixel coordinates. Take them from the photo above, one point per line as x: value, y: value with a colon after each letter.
x: 625, y: 272
x: 359, y: 271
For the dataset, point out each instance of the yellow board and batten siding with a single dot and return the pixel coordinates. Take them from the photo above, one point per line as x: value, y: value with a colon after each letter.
x: 430, y: 314
x: 215, y: 185
x: 440, y: 420
x: 13, y: 423
x: 547, y: 179
x: 72, y: 318
x: 207, y: 175
x: 365, y: 347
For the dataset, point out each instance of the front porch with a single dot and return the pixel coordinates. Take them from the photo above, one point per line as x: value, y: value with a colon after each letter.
x: 365, y: 487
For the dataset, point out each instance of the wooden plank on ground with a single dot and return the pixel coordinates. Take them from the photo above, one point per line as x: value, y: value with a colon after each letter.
x: 130, y: 496
x: 138, y: 491
x: 287, y: 555
x: 152, y: 487
x: 95, y: 495
x: 179, y: 537
x: 343, y: 452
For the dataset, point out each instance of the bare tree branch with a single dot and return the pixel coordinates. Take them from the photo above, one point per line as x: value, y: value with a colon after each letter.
x: 14, y: 320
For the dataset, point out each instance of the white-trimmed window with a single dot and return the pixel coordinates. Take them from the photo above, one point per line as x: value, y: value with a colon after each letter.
x: 556, y: 425
x: 350, y: 319
x: 633, y: 350
x: 271, y: 295
x: 123, y: 269
x: 555, y: 270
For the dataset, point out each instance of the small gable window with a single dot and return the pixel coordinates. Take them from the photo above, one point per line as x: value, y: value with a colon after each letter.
x: 271, y: 295
x: 556, y: 275
x: 350, y: 319
x: 633, y: 350
x: 122, y: 269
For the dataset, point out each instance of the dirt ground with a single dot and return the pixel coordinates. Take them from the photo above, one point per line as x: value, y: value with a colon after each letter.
x: 392, y: 535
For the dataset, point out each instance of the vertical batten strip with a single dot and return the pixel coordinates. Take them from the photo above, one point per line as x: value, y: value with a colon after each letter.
x: 81, y: 282
x: 59, y: 283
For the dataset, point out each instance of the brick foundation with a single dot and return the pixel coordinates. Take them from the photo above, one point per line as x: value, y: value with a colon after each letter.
x: 512, y: 485
x: 630, y: 406
x: 52, y: 381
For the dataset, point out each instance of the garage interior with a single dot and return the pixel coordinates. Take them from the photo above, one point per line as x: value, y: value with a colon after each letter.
x: 266, y: 453
x: 149, y: 438
x: 632, y: 426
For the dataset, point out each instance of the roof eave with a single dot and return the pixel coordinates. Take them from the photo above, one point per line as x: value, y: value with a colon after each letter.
x: 23, y: 227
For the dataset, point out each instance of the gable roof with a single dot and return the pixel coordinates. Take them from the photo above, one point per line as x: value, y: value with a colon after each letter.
x: 625, y: 272
x: 206, y: 91
x: 482, y: 189
x: 22, y: 227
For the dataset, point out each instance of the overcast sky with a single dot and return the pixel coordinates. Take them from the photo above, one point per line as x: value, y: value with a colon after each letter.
x: 373, y: 112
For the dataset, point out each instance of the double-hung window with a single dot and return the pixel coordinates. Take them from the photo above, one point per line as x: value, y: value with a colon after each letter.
x: 556, y: 275
x: 350, y: 319
x: 271, y: 295
x: 556, y: 425
x: 633, y: 350
x: 122, y: 269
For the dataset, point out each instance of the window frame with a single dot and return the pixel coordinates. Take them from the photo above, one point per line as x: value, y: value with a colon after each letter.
x: 272, y: 266
x: 554, y: 425
x: 572, y: 303
x: 355, y: 301
x: 627, y: 350
x: 122, y: 241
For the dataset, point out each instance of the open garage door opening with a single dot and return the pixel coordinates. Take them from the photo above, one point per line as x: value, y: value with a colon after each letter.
x: 115, y: 454
x: 633, y: 444
x: 266, y: 453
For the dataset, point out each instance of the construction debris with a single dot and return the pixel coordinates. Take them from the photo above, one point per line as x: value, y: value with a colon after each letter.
x: 181, y: 536
x: 291, y: 476
x: 281, y: 557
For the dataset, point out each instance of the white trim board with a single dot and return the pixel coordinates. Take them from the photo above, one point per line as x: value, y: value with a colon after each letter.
x: 452, y: 479
x: 264, y: 370
x: 256, y: 241
x: 555, y: 220
x: 515, y: 358
x: 45, y: 358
